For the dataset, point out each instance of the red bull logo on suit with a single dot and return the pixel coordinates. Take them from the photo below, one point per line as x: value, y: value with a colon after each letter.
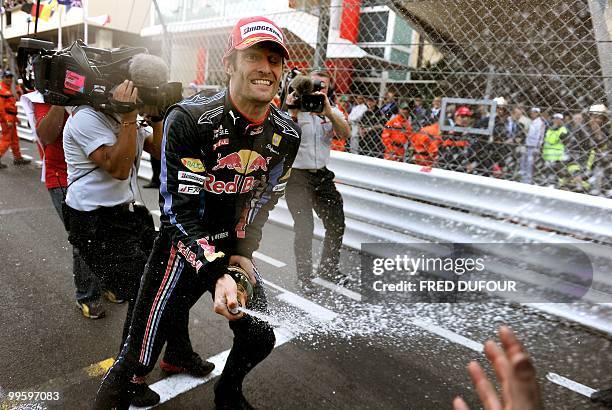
x: 244, y: 161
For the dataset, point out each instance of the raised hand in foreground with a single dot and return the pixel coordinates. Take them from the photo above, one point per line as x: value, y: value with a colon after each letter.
x: 515, y: 373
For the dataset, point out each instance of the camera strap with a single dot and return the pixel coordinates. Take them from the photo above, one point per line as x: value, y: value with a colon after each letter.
x: 65, y: 191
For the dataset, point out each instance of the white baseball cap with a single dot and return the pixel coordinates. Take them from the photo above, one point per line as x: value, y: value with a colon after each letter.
x: 558, y: 116
x: 598, y: 109
x: 501, y: 101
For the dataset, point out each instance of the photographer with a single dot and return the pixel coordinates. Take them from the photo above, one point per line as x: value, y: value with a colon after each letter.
x: 113, y: 236
x: 224, y: 165
x: 311, y: 186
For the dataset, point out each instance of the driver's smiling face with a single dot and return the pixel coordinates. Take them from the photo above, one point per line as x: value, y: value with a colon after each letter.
x: 257, y: 73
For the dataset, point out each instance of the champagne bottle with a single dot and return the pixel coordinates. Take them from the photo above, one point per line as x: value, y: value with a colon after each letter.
x: 243, y: 285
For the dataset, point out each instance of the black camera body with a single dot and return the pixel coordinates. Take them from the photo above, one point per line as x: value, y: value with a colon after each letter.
x: 82, y: 75
x: 303, y: 89
x: 313, y: 102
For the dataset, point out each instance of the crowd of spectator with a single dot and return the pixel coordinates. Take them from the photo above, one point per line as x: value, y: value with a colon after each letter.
x: 527, y: 144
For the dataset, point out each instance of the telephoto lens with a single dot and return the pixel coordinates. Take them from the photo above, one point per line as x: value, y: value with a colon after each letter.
x: 243, y: 285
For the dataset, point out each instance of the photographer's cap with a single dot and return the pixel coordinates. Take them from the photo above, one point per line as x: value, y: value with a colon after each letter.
x: 252, y: 30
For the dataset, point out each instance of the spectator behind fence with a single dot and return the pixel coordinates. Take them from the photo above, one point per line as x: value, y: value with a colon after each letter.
x: 425, y: 145
x: 515, y: 139
x: 428, y: 143
x: 433, y: 113
x: 588, y: 155
x: 490, y: 155
x: 515, y: 133
x: 389, y: 107
x: 354, y: 119
x: 499, y: 157
x: 418, y: 114
x: 456, y: 146
x: 523, y: 119
x: 339, y: 142
x: 370, y: 129
x: 533, y: 143
x: 553, y: 150
x: 8, y: 119
x: 396, y: 134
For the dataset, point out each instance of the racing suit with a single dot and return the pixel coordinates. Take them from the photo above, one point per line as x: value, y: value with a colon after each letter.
x: 395, y: 136
x: 220, y: 176
x: 8, y: 119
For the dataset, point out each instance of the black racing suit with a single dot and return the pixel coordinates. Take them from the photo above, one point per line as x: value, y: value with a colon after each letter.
x: 220, y: 177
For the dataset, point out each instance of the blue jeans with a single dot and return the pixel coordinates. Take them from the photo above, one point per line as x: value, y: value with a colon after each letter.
x: 86, y: 284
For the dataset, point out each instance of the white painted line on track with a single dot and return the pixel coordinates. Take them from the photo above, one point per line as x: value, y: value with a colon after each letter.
x: 301, y: 303
x: 315, y: 310
x: 156, y: 212
x: 269, y: 260
x: 338, y: 289
x: 25, y: 209
x: 570, y: 384
x: 447, y: 334
x: 173, y: 386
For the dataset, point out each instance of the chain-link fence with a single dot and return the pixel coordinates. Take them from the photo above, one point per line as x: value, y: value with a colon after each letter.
x: 517, y: 89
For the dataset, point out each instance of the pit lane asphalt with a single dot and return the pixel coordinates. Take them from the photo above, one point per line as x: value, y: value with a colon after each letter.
x: 45, y: 342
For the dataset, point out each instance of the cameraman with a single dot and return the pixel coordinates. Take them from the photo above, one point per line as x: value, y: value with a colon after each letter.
x: 311, y: 186
x: 47, y: 122
x: 113, y: 237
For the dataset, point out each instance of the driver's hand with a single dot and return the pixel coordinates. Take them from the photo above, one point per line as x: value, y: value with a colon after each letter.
x: 226, y: 298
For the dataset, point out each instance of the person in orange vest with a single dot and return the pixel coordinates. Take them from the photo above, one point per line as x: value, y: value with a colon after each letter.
x: 428, y: 142
x: 425, y: 145
x: 338, y: 143
x: 8, y: 119
x: 396, y: 134
x: 456, y: 144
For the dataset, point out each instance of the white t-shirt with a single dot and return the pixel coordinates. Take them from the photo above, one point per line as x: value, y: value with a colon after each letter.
x: 357, y: 113
x: 86, y: 131
x: 315, y: 144
x: 27, y: 101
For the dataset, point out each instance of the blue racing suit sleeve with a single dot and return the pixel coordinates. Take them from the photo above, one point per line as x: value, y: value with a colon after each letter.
x: 182, y: 177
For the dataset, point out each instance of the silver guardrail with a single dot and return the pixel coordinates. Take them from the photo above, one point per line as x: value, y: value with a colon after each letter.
x: 386, y: 201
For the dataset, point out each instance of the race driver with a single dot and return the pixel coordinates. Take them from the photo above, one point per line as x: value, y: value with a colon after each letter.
x: 225, y: 162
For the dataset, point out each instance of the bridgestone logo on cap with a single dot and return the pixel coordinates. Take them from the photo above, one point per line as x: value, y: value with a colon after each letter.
x: 260, y: 28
